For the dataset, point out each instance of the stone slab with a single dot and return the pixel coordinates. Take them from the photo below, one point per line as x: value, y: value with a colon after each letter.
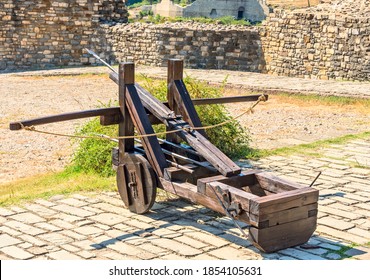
x: 73, y: 210
x: 7, y: 240
x: 16, y: 253
x: 109, y: 219
x: 63, y: 255
x: 28, y: 218
x: 24, y: 228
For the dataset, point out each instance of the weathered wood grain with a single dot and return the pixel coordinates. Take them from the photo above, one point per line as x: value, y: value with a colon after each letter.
x: 283, y: 201
x: 283, y: 236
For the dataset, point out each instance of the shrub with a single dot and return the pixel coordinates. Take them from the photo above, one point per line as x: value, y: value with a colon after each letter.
x: 94, y: 155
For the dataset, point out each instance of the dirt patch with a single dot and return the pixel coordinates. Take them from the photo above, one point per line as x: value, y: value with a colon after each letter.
x: 276, y: 123
x: 284, y: 121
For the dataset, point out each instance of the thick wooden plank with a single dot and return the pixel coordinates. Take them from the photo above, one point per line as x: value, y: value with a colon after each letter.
x: 65, y: 117
x: 282, y: 201
x: 152, y: 148
x: 202, y: 183
x: 225, y: 100
x: 186, y: 106
x: 244, y: 180
x: 283, y: 236
x: 189, y: 192
x: 211, y: 153
x: 198, y: 172
x: 126, y: 126
x: 154, y: 106
x: 285, y: 216
x: 275, y: 184
x: 244, y: 198
x: 142, y: 197
x: 174, y: 72
x: 116, y: 118
x: 111, y: 119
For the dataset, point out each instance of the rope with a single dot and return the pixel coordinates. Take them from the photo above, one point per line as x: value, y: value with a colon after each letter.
x: 32, y: 128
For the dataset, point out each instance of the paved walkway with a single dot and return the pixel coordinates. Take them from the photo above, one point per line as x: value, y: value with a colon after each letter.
x: 244, y: 80
x: 96, y: 226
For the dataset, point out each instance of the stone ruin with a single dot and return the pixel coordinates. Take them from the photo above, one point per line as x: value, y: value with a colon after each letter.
x: 328, y: 41
x: 44, y: 33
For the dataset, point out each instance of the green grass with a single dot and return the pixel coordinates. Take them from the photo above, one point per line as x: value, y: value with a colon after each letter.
x: 311, y: 149
x: 157, y: 19
x: 326, y: 100
x: 341, y: 252
x: 45, y: 186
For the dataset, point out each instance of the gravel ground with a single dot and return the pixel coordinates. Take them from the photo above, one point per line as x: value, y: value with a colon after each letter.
x: 276, y: 123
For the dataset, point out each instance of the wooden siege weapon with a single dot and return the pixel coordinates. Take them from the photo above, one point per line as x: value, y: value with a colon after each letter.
x: 281, y: 214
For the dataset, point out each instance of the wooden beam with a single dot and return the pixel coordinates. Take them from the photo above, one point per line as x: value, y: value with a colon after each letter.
x: 65, y: 117
x: 111, y: 115
x: 151, y: 145
x: 186, y: 106
x: 174, y: 72
x: 225, y: 100
x: 189, y: 192
x: 126, y: 125
x: 283, y: 201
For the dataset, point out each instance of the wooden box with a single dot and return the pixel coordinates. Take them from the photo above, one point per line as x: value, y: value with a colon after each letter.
x: 282, y: 214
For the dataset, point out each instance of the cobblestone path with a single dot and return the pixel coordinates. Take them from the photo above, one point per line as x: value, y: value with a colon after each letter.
x: 96, y: 226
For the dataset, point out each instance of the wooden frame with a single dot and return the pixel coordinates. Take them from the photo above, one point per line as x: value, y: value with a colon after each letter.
x: 280, y: 213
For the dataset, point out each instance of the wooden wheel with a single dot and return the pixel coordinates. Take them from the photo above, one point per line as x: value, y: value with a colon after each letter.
x: 137, y: 183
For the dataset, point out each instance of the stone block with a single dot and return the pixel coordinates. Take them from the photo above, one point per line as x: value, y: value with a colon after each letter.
x: 63, y: 255
x: 108, y: 218
x: 7, y: 240
x: 16, y: 253
x: 24, y: 228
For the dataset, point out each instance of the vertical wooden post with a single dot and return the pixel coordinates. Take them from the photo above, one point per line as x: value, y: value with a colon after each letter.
x: 126, y: 126
x: 174, y: 72
x: 178, y: 96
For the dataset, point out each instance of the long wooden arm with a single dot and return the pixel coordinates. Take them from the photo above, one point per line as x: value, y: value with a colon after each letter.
x: 114, y: 112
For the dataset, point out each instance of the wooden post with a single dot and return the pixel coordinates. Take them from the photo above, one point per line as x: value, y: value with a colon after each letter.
x: 135, y: 116
x: 178, y: 95
x: 174, y: 72
x: 126, y: 126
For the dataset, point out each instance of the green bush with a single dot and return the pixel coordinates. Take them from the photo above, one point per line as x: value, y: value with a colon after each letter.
x: 94, y: 155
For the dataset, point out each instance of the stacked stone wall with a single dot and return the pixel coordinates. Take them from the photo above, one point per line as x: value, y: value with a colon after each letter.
x: 323, y: 42
x: 317, y: 45
x: 200, y: 45
x: 38, y: 34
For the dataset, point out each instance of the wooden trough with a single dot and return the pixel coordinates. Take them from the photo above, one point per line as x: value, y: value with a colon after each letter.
x: 281, y: 214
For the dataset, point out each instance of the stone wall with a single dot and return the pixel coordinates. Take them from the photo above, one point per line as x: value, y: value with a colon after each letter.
x: 292, y: 3
x: 322, y: 43
x: 330, y: 41
x: 200, y: 45
x: 38, y: 34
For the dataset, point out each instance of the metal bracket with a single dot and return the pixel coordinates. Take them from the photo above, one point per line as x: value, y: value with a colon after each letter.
x: 228, y: 208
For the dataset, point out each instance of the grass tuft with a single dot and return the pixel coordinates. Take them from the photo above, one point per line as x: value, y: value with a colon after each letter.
x: 48, y: 185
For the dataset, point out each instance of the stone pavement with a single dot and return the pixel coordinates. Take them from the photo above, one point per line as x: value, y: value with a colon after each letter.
x: 237, y: 79
x: 96, y: 226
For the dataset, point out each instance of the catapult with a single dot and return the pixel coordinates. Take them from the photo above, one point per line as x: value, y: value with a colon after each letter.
x: 281, y: 214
